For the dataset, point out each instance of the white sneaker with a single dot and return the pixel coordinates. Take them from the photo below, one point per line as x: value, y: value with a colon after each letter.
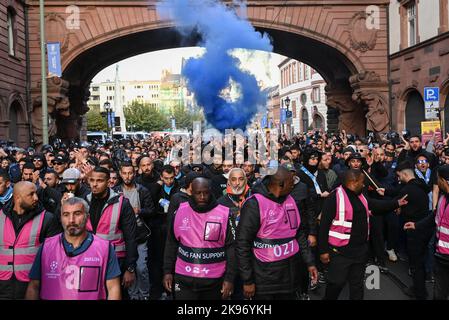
x: 392, y: 255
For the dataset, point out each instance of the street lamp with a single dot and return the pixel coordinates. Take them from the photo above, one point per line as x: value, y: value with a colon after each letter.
x: 107, y: 108
x: 287, y: 104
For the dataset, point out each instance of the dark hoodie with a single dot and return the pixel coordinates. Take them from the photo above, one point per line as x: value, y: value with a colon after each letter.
x: 276, y: 277
x: 14, y: 289
x: 418, y: 200
x: 172, y: 244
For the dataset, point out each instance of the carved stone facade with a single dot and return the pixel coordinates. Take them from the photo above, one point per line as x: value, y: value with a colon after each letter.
x: 330, y: 36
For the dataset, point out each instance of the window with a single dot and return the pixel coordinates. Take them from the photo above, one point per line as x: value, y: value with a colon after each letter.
x: 306, y: 72
x: 11, y: 32
x: 301, y: 71
x: 295, y: 79
x: 316, y: 94
x: 411, y: 16
x: 304, y: 120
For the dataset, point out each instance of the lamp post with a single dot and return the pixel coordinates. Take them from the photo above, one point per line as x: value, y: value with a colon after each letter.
x: 287, y: 104
x: 107, y: 108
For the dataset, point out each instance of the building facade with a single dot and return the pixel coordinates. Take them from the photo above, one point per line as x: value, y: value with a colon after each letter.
x: 419, y: 58
x: 304, y: 88
x: 14, y: 105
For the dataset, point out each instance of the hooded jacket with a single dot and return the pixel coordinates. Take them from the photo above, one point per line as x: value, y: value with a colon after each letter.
x: 275, y: 277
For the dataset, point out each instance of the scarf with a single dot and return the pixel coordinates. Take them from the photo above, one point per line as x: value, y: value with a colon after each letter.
x: 241, y: 197
x: 7, y: 196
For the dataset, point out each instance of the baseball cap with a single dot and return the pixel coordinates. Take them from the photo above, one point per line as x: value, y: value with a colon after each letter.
x: 60, y: 159
x: 71, y: 175
x: 288, y: 166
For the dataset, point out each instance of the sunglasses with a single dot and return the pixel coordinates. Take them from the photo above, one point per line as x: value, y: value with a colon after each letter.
x: 422, y: 161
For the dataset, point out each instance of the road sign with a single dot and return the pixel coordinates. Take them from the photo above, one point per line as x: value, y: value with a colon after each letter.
x: 283, y: 115
x: 289, y: 114
x: 431, y: 102
x: 431, y: 110
x: 431, y: 94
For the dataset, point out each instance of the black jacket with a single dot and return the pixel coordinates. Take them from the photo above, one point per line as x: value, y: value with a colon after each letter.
x: 50, y: 199
x: 314, y: 198
x: 219, y: 183
x: 13, y: 288
x: 358, y: 243
x: 275, y: 277
x: 172, y: 245
x: 151, y: 184
x: 147, y: 210
x: 127, y: 223
x: 418, y: 200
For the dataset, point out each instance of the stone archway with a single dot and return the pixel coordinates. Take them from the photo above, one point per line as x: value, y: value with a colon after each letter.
x: 331, y: 36
x: 414, y: 112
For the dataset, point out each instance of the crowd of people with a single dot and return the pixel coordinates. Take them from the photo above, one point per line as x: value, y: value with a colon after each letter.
x: 127, y: 220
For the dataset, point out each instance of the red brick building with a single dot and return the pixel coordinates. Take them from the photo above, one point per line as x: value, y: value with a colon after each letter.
x: 14, y: 110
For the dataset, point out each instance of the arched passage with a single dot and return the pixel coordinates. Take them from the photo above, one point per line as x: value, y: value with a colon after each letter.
x: 333, y: 65
x: 414, y: 112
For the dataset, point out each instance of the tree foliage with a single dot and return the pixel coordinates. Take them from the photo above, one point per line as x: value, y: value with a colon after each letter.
x: 96, y: 121
x: 145, y: 117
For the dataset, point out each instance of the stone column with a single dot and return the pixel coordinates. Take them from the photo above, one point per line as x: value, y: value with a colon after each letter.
x: 352, y: 115
x: 372, y: 94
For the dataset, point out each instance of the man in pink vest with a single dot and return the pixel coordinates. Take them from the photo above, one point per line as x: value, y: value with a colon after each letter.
x: 24, y: 225
x: 112, y: 217
x: 344, y: 233
x: 271, y: 243
x: 199, y: 262
x: 75, y: 265
x: 440, y: 220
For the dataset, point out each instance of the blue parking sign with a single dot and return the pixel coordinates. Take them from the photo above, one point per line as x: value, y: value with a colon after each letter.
x: 431, y: 94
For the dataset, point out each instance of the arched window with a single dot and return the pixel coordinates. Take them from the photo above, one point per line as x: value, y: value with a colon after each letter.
x: 304, y: 120
x: 10, y: 24
x: 13, y: 118
x: 414, y: 112
x: 317, y: 122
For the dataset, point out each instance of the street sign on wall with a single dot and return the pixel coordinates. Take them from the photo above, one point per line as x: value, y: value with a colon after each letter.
x: 431, y: 102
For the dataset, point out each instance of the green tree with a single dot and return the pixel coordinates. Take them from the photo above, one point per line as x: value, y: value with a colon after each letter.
x: 95, y: 121
x: 145, y: 117
x: 185, y: 119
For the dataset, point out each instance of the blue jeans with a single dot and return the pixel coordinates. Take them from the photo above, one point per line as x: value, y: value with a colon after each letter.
x: 140, y: 290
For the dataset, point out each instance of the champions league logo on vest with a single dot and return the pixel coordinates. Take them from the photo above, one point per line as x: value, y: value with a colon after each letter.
x: 53, y: 274
x: 271, y: 215
x: 185, y: 224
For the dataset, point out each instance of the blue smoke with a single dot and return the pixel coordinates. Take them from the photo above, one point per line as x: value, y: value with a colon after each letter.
x: 221, y: 30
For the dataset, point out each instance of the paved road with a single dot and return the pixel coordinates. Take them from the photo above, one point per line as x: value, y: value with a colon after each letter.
x: 389, y: 286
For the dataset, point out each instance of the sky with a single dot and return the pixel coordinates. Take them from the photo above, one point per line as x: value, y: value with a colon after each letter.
x: 149, y: 66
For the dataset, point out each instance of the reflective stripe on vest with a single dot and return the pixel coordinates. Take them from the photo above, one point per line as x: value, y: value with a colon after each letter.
x: 341, y: 227
x: 107, y: 227
x: 442, y: 226
x: 17, y: 253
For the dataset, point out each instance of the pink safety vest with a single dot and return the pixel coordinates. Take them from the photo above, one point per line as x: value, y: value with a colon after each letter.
x: 442, y: 223
x: 279, y: 223
x: 82, y: 277
x: 17, y: 253
x: 108, y: 227
x: 201, y: 236
x: 340, y: 230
